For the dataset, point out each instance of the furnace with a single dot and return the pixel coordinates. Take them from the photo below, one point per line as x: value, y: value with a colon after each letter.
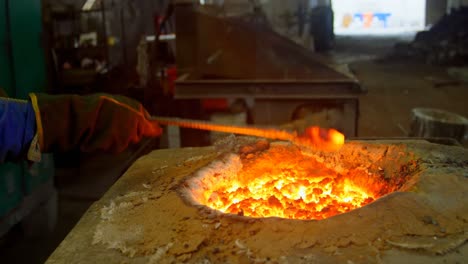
x: 284, y: 182
x: 387, y: 201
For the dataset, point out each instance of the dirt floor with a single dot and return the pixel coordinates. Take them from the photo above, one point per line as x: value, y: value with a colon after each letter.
x: 393, y: 89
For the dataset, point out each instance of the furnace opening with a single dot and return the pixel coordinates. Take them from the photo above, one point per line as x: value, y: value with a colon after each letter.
x: 281, y: 181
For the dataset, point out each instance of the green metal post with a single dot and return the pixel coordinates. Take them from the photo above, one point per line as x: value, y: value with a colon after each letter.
x: 22, y: 60
x: 28, y: 51
x: 6, y: 74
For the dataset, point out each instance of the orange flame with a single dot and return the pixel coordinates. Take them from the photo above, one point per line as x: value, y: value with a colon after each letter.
x: 321, y: 138
x: 282, y: 182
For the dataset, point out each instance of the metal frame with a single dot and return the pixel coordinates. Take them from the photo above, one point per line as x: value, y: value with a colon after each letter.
x: 287, y: 93
x: 283, y: 89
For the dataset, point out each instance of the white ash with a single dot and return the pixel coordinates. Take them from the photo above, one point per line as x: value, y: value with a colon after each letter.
x: 106, y: 228
x: 196, y: 158
x: 159, y: 254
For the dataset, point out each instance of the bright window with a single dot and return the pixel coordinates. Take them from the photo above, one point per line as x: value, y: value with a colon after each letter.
x: 378, y: 16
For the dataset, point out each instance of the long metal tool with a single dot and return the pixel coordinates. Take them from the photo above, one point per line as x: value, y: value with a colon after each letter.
x: 315, y: 137
x: 243, y: 130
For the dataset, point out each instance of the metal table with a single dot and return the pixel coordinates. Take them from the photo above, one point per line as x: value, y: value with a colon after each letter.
x: 231, y: 58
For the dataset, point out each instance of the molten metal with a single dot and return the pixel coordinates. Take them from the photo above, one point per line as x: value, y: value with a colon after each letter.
x: 282, y: 182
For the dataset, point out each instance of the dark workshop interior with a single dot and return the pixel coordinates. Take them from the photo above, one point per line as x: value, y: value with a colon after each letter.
x: 390, y: 77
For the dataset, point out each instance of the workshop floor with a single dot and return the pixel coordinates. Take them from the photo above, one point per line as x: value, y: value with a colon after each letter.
x: 394, y: 88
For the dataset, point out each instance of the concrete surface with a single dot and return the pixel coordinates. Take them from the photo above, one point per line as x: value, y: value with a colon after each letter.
x: 145, y: 218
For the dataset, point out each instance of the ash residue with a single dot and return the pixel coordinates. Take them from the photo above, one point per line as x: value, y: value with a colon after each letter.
x: 241, y: 145
x: 170, y: 230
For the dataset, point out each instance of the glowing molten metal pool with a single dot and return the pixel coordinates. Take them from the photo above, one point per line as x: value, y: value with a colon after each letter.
x: 281, y: 181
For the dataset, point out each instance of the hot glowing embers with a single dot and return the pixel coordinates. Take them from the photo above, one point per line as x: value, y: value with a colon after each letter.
x: 323, y: 139
x: 282, y: 182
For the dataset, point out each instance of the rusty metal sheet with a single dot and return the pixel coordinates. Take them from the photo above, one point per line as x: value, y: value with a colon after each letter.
x: 231, y: 57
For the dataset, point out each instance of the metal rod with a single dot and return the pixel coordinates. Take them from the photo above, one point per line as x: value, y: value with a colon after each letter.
x: 314, y: 137
x: 106, y: 46
x: 124, y: 36
x: 243, y: 130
